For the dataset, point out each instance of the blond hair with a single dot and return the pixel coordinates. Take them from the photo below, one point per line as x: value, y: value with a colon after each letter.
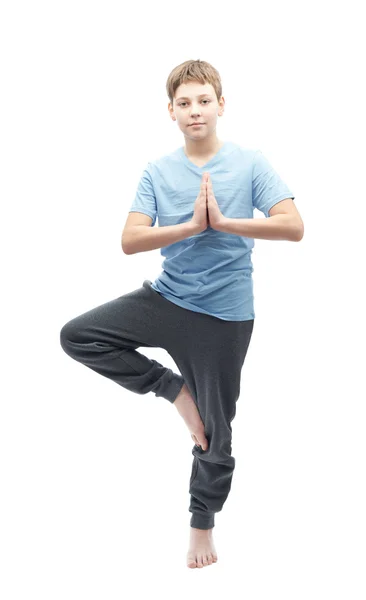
x: 193, y: 70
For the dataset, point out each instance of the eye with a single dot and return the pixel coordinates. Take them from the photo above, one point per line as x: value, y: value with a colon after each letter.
x: 181, y: 104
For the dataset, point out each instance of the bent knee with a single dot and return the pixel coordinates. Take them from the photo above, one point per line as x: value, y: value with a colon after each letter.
x: 68, y: 335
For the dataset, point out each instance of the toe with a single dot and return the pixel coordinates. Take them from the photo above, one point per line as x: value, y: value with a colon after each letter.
x: 191, y: 561
x: 203, y: 442
x: 204, y: 560
x: 209, y: 559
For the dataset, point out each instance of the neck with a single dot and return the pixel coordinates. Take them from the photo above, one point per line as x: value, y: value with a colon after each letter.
x: 202, y: 148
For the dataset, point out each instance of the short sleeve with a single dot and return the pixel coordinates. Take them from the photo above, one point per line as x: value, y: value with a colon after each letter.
x: 145, y: 200
x: 267, y: 186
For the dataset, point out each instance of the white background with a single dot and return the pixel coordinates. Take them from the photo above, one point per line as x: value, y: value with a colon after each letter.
x: 94, y: 479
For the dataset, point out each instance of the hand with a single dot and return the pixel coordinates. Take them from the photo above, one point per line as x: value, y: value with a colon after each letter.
x: 214, y: 215
x: 199, y: 218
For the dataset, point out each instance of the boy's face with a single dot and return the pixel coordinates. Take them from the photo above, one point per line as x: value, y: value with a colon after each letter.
x: 194, y: 102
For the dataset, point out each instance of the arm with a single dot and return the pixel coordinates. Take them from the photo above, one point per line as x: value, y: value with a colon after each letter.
x: 139, y: 234
x: 284, y: 223
x: 141, y: 238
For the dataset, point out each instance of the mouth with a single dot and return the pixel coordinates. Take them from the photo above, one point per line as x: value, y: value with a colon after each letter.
x: 195, y: 124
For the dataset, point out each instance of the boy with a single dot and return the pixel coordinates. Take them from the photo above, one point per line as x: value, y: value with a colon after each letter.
x: 200, y: 308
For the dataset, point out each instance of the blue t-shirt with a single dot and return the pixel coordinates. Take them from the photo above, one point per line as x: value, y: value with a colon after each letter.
x: 210, y: 272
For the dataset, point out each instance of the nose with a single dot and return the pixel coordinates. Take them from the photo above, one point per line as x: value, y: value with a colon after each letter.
x: 195, y: 111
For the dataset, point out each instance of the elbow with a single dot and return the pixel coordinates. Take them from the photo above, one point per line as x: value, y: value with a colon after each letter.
x: 298, y: 233
x: 124, y: 246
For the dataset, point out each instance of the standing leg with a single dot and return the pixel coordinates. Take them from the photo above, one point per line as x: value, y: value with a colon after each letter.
x: 211, y: 364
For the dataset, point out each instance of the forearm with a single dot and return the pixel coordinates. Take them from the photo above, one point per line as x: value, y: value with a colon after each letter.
x: 141, y: 238
x: 277, y: 227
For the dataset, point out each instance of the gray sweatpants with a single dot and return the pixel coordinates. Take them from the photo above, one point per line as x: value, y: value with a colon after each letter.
x: 209, y: 352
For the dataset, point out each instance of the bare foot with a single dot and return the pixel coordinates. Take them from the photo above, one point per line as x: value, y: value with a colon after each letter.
x: 202, y: 551
x: 187, y: 409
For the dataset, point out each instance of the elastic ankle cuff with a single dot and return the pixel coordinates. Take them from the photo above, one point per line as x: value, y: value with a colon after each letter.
x: 200, y: 521
x: 175, y: 386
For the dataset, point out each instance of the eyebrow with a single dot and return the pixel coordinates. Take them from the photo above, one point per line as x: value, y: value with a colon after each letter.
x: 186, y: 97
